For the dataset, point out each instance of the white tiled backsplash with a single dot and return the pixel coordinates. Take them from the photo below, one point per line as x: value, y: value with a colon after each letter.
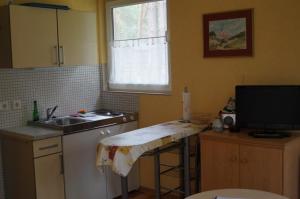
x: 71, y: 88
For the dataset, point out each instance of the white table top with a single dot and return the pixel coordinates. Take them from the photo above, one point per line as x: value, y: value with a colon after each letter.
x: 236, y: 194
x: 121, y: 151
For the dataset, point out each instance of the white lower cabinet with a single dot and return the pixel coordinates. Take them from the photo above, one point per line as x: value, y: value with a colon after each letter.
x: 49, y: 177
x: 62, y: 167
x: 33, y: 169
x: 82, y: 178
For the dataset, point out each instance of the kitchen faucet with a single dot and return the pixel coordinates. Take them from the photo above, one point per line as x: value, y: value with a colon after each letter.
x: 50, y: 112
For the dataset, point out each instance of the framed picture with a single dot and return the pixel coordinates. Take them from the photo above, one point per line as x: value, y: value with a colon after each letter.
x: 228, y: 34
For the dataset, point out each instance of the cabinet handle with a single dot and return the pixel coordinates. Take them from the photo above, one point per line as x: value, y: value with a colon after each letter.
x: 56, y: 55
x: 48, y: 147
x: 62, y: 57
x: 167, y: 37
x: 62, y: 171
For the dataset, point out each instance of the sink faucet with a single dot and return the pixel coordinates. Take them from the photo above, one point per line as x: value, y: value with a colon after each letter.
x: 50, y: 112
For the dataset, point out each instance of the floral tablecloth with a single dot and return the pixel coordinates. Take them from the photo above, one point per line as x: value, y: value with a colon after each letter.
x: 121, y: 151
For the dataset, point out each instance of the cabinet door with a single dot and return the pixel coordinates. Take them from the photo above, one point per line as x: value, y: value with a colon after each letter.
x: 49, y: 178
x: 219, y: 165
x: 82, y: 178
x: 78, y: 38
x: 261, y: 168
x: 33, y: 37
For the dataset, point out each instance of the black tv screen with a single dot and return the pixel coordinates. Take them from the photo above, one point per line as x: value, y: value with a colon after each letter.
x: 268, y: 107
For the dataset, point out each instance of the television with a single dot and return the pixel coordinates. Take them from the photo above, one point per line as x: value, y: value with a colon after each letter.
x: 269, y: 110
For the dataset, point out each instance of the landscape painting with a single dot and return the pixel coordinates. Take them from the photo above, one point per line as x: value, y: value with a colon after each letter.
x: 228, y: 34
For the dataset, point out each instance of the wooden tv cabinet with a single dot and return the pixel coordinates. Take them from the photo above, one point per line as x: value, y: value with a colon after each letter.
x: 236, y: 160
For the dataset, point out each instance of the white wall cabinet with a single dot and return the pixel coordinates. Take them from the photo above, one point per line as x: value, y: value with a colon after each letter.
x: 78, y: 42
x: 42, y: 37
x: 33, y: 37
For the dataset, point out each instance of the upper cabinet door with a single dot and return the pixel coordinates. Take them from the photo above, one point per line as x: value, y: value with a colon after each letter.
x: 33, y: 37
x: 78, y: 38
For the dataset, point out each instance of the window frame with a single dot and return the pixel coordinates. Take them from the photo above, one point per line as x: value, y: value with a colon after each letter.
x: 110, y: 5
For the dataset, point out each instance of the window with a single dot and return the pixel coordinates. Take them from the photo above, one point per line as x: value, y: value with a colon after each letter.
x: 138, y: 46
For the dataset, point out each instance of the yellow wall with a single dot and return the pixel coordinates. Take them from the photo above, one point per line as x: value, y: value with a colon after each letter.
x: 102, y: 30
x: 211, y: 81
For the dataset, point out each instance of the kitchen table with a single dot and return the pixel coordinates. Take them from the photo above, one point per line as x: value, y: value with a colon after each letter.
x: 122, y: 151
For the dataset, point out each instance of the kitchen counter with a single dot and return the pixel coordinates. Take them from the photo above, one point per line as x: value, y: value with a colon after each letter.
x: 98, y: 119
x: 30, y: 133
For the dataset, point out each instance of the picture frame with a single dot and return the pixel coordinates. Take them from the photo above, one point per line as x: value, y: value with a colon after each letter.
x: 228, y: 33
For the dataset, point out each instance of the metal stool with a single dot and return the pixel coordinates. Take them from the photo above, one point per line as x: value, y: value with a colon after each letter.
x: 184, y: 166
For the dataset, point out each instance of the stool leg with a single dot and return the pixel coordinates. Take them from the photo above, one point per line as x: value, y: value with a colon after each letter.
x: 197, y: 167
x: 157, y: 173
x: 186, y: 151
x: 181, y: 164
x: 124, y: 185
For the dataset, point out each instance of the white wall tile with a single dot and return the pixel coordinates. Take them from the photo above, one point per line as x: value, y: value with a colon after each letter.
x: 71, y: 88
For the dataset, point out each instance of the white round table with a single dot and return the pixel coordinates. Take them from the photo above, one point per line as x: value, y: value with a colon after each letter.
x: 237, y: 193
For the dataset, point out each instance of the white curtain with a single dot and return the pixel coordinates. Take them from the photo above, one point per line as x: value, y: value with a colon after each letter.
x: 139, y: 60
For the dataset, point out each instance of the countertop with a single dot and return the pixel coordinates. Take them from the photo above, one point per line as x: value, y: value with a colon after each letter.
x: 30, y: 133
x: 33, y: 132
x: 243, y: 137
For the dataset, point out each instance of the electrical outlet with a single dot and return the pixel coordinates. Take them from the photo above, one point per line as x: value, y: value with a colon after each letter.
x: 4, y: 106
x: 16, y: 104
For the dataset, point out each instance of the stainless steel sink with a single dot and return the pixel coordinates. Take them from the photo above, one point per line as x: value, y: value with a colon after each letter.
x: 88, y: 121
x: 65, y: 121
x: 60, y: 122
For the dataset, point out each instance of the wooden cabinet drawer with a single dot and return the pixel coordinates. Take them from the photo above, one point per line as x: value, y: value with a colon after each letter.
x: 47, y: 146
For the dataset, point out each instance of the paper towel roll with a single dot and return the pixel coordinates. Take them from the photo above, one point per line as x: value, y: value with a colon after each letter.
x: 186, y: 102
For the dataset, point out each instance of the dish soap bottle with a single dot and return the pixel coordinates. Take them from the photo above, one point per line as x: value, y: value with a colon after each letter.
x: 35, y: 112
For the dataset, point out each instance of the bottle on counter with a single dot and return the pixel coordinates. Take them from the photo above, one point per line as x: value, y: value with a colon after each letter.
x: 35, y: 112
